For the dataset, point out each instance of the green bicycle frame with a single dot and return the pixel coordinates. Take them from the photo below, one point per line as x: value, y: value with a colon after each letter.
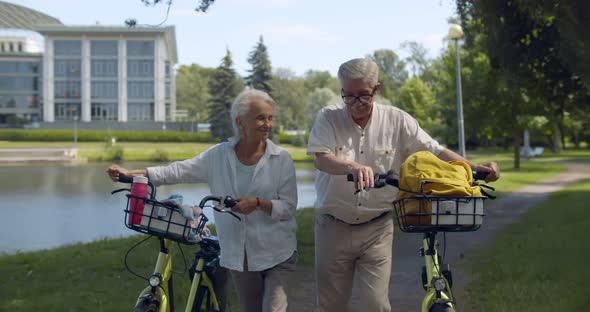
x: 201, y: 278
x: 433, y: 271
x: 161, y: 292
x: 164, y: 269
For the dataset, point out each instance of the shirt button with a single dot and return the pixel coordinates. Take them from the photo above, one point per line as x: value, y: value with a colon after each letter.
x: 362, y: 152
x: 357, y: 219
x: 360, y: 204
x: 363, y: 134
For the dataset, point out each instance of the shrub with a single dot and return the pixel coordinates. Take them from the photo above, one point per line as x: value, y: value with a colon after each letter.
x: 298, y: 140
x: 102, y: 136
x: 114, y: 153
x: 160, y: 155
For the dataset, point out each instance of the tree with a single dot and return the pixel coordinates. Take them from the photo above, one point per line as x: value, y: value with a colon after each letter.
x: 416, y: 98
x: 224, y: 87
x: 418, y: 58
x: 392, y: 73
x: 202, y: 5
x: 523, y: 40
x: 315, y: 79
x: 261, y: 72
x: 318, y: 99
x: 192, y: 89
x: 290, y: 97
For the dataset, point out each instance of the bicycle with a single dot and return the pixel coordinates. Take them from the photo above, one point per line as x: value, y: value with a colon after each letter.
x: 435, y: 214
x: 164, y: 221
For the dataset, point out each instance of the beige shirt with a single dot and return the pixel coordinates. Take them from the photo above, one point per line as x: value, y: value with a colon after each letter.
x: 390, y: 136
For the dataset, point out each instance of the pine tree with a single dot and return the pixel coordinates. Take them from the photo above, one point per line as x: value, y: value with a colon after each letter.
x: 261, y: 72
x: 224, y: 86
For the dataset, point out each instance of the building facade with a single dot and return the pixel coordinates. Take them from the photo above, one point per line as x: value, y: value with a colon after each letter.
x: 85, y: 73
x: 108, y: 73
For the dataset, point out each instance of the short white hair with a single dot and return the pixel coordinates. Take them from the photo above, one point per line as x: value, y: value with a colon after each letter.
x: 241, y: 105
x: 359, y: 69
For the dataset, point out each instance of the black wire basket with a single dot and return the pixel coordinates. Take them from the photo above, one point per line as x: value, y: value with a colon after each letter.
x: 162, y: 219
x: 426, y: 213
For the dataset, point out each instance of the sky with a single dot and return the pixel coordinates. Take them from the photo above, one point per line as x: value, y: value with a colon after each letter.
x: 299, y: 34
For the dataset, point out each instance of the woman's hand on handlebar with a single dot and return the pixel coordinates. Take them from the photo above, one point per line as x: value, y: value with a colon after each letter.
x: 363, y: 177
x: 491, y: 169
x: 245, y: 205
x: 115, y: 171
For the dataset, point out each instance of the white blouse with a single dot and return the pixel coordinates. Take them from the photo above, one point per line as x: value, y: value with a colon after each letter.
x: 266, y: 240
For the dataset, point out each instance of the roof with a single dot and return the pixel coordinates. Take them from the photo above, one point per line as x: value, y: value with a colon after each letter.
x: 169, y: 33
x: 20, y: 17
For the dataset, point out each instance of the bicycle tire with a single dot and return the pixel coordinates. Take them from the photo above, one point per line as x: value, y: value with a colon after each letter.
x: 441, y: 307
x: 203, y: 302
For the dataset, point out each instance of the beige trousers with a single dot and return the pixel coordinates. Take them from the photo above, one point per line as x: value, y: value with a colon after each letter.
x: 344, y: 253
x: 264, y: 290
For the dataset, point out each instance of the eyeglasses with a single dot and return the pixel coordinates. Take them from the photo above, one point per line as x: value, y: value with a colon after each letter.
x: 363, y: 98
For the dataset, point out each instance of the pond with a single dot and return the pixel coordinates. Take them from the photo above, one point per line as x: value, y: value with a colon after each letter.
x: 49, y: 205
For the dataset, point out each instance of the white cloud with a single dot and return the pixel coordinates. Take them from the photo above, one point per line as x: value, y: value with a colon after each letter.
x: 299, y: 32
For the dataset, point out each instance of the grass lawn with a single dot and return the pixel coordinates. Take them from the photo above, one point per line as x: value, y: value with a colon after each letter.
x: 92, y: 276
x: 141, y: 151
x: 540, y: 263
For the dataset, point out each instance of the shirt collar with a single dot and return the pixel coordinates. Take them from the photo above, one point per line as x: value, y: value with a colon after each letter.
x: 271, y: 148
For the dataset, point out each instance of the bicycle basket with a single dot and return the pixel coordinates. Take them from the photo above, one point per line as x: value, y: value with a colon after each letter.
x: 439, y: 213
x: 160, y: 219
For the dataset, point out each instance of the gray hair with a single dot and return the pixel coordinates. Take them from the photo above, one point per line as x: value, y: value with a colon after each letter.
x: 241, y: 105
x: 359, y: 69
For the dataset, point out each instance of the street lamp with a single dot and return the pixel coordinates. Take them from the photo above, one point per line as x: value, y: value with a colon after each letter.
x: 456, y: 33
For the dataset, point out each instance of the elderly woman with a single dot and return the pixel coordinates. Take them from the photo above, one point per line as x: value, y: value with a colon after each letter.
x: 259, y: 250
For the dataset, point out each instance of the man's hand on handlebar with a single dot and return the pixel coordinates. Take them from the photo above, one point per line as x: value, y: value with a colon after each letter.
x: 491, y: 170
x: 363, y: 177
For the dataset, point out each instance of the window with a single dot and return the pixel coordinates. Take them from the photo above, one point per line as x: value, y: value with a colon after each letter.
x: 140, y: 111
x: 140, y: 89
x: 140, y: 68
x: 69, y: 48
x: 19, y: 83
x: 67, y: 111
x: 104, y: 89
x: 104, y: 111
x: 104, y: 48
x: 67, y: 89
x: 67, y: 68
x: 104, y: 68
x: 19, y: 101
x: 140, y: 49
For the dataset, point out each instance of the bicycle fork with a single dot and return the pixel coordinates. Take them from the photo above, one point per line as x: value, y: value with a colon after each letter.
x: 436, y: 281
x: 159, y: 295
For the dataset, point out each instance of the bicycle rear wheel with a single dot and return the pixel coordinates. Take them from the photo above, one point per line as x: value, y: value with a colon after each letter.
x: 441, y: 307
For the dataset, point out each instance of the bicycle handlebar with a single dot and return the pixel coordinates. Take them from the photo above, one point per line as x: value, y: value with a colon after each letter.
x: 389, y: 178
x: 381, y: 179
x: 125, y: 179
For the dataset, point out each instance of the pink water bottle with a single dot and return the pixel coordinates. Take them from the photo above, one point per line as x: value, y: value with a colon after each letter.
x: 138, y: 188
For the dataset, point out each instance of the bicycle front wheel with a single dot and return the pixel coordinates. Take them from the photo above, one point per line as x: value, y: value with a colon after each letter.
x: 145, y: 306
x: 441, y: 307
x: 203, y: 300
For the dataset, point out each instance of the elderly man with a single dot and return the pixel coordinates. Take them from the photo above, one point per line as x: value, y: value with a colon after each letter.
x: 354, y: 232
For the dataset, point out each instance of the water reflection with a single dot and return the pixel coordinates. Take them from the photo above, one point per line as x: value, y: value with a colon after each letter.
x: 45, y: 206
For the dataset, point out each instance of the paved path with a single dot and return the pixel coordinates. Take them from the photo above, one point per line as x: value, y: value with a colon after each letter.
x: 405, y: 290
